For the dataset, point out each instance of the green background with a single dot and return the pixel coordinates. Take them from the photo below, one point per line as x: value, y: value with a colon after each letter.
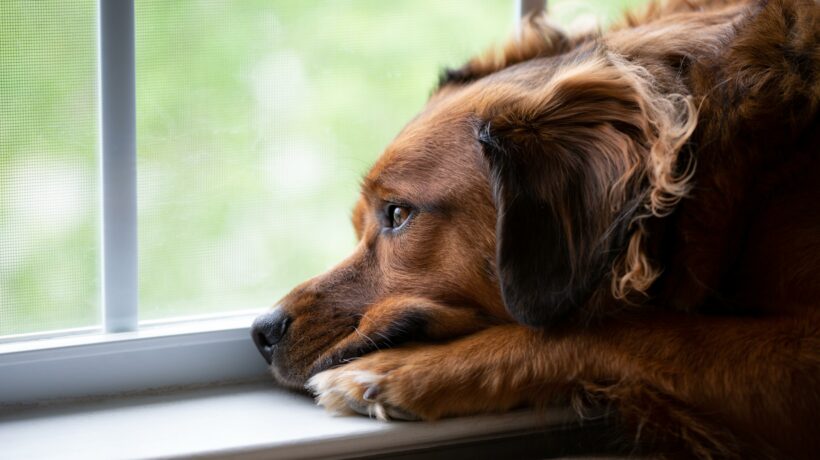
x: 256, y: 120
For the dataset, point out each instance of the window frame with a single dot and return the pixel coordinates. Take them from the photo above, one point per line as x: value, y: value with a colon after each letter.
x: 116, y: 61
x: 182, y: 353
x: 124, y: 354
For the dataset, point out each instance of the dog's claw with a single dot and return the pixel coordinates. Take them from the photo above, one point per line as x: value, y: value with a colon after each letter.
x: 371, y: 393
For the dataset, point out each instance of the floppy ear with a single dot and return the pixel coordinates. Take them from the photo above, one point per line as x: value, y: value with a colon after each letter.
x: 575, y: 165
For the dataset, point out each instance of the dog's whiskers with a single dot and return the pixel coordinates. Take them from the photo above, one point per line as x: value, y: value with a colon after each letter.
x: 365, y: 336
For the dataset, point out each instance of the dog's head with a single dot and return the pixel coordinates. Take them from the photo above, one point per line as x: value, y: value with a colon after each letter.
x: 517, y: 194
x: 424, y: 265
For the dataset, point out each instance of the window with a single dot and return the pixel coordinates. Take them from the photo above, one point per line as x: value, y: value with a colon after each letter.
x: 49, y: 186
x: 162, y: 161
x: 254, y: 122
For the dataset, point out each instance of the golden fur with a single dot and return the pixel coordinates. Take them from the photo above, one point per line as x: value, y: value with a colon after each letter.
x: 626, y: 219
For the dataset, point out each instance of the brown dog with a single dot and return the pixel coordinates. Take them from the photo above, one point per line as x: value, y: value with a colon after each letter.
x: 629, y: 218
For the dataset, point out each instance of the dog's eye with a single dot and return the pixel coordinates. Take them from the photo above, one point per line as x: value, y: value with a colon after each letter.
x: 396, y: 215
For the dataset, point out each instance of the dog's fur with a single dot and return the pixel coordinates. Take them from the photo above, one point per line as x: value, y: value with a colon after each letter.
x: 628, y: 219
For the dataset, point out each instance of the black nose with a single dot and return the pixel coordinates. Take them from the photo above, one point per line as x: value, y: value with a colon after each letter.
x: 268, y: 329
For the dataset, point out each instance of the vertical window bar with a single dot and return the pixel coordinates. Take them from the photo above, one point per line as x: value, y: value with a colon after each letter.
x: 119, y: 169
x: 526, y: 7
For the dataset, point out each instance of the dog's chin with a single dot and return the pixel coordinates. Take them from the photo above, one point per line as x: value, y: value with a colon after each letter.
x: 295, y: 377
x: 287, y: 378
x: 287, y: 372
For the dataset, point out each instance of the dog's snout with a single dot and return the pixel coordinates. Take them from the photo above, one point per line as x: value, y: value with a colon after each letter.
x: 268, y: 329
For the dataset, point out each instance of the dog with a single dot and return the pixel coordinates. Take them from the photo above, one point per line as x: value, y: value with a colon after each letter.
x: 627, y: 219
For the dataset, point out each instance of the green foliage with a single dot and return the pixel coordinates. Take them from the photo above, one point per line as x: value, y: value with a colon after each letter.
x: 255, y: 121
x: 48, y: 163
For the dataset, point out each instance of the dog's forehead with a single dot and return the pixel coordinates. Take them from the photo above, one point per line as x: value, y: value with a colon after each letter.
x: 438, y: 154
x: 435, y: 153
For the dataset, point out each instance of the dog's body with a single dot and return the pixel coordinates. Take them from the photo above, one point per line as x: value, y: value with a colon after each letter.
x: 630, y: 219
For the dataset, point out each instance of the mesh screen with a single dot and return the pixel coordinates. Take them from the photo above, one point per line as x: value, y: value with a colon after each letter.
x: 256, y: 121
x: 48, y: 165
x: 586, y: 14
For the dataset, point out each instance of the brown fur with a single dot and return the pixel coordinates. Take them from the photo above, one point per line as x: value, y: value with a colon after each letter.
x: 628, y: 219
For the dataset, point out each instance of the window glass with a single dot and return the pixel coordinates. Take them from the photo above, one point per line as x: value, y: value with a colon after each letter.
x: 49, y: 238
x: 256, y: 120
x: 573, y: 14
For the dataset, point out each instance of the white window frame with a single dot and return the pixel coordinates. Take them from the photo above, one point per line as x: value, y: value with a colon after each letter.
x: 118, y: 145
x: 125, y: 355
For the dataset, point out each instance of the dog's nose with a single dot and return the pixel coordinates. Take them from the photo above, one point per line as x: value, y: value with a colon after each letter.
x: 268, y: 329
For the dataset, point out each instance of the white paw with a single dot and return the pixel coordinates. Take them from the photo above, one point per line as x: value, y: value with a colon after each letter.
x: 346, y: 392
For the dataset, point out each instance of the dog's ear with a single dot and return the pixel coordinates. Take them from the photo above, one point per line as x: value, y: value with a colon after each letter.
x: 574, y: 166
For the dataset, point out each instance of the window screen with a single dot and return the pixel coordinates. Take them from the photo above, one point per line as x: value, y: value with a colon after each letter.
x: 48, y: 166
x: 583, y: 14
x: 256, y: 121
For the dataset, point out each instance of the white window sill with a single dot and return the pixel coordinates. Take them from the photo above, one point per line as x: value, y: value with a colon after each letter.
x: 167, y: 354
x: 251, y: 420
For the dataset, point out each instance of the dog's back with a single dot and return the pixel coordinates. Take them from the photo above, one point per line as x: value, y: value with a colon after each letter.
x: 748, y: 237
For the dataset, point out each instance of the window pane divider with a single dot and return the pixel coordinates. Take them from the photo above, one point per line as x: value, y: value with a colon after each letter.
x: 117, y: 97
x: 529, y: 7
x: 179, y: 352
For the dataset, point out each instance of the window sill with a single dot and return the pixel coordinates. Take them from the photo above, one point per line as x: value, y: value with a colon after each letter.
x: 250, y: 420
x: 159, y: 355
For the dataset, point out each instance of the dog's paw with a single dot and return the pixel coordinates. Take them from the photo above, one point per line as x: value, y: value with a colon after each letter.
x: 367, y: 386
